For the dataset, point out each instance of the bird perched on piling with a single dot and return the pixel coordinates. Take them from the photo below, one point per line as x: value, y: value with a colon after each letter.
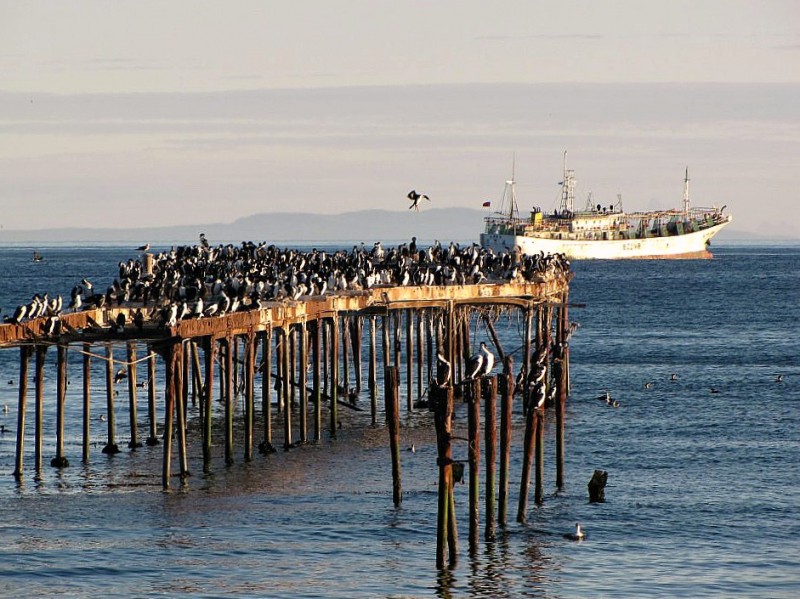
x: 480, y: 363
x: 143, y: 248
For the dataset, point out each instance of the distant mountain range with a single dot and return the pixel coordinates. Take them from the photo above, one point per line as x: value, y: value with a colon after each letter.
x: 282, y: 228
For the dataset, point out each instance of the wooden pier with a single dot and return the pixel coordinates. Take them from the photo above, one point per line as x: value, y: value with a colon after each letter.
x: 308, y: 352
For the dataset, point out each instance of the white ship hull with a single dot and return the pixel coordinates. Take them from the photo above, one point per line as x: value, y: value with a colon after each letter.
x: 688, y: 245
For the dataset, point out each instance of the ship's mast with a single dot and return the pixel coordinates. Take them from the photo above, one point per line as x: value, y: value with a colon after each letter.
x: 510, y: 194
x: 686, y: 194
x: 568, y: 189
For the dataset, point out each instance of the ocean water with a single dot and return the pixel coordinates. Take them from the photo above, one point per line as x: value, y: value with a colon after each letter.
x: 701, y: 499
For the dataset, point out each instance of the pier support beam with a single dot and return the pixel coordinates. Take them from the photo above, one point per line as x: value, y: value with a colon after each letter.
x: 474, y: 457
x: 506, y: 404
x: 60, y: 461
x: 134, y: 442
x: 24, y: 360
x: 151, y: 398
x: 490, y: 442
x: 392, y: 397
x: 41, y: 352
x: 87, y: 401
x: 210, y: 353
x: 111, y: 443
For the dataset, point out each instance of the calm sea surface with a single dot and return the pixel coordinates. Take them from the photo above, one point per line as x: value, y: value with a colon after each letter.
x: 702, y: 495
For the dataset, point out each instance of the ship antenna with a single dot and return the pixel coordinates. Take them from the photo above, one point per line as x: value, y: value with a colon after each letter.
x: 686, y: 194
x: 568, y: 190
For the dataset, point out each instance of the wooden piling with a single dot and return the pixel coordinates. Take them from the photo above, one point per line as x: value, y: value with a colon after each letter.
x: 420, y: 354
x: 526, y: 364
x: 287, y: 411
x: 24, y: 360
x: 409, y: 360
x: 506, y: 405
x: 539, y: 488
x: 356, y: 339
x: 41, y: 351
x: 334, y: 408
x: 87, y: 403
x: 170, y: 360
x: 527, y: 461
x: 303, y: 392
x: 134, y: 442
x: 292, y: 367
x: 198, y: 387
x: 210, y: 352
x: 474, y: 456
x: 60, y: 460
x: 373, y: 371
x: 561, y: 396
x: 266, y: 386
x: 345, y: 335
x: 249, y: 391
x: 316, y: 341
x: 111, y: 443
x: 181, y: 410
x: 151, y: 398
x: 392, y: 397
x: 442, y: 403
x: 229, y: 366
x: 490, y: 443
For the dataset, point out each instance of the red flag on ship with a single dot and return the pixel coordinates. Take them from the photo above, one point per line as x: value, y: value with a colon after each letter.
x: 487, y: 204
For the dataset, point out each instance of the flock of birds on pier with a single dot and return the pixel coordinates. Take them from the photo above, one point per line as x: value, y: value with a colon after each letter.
x: 201, y: 280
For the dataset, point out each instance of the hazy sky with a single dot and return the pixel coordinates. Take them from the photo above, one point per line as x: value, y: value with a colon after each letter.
x: 137, y: 113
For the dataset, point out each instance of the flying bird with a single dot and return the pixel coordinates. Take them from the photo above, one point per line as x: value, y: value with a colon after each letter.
x: 415, y: 197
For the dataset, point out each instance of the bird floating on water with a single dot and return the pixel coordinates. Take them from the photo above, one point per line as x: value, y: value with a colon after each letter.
x: 648, y: 385
x: 778, y: 378
x: 673, y: 377
x: 578, y: 535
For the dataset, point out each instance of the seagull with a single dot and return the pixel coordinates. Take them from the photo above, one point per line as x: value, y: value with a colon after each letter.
x: 415, y: 197
x: 578, y: 535
x: 143, y: 248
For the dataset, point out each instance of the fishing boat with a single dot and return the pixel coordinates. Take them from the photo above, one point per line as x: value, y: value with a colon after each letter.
x: 602, y: 232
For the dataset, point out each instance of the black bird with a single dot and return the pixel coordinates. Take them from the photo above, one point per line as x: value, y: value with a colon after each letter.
x: 415, y: 198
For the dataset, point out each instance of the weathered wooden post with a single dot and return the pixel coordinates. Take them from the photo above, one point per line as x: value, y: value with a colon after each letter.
x: 539, y: 489
x: 170, y: 360
x: 287, y: 411
x: 24, y: 360
x: 181, y: 398
x: 87, y: 403
x: 409, y: 359
x: 266, y: 386
x: 209, y: 352
x: 334, y: 408
x: 134, y: 442
x: 392, y: 397
x: 527, y: 461
x: 474, y: 457
x: 490, y: 441
x: 345, y: 334
x: 292, y: 367
x: 249, y: 391
x: 506, y: 404
x: 41, y: 351
x: 111, y: 444
x: 356, y: 338
x: 317, y: 332
x: 373, y: 371
x: 561, y: 396
x: 441, y: 399
x: 303, y: 397
x: 60, y: 461
x: 151, y: 398
x: 420, y: 354
x: 229, y: 366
